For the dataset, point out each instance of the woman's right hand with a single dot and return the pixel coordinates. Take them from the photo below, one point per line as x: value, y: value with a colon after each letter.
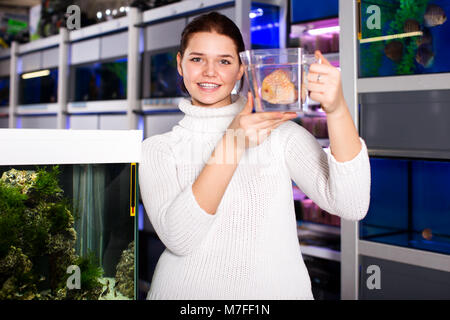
x: 255, y: 127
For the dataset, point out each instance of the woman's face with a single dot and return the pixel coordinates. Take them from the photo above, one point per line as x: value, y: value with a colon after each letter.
x: 210, y: 68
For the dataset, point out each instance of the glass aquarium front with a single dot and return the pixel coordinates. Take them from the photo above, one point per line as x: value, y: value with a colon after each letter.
x: 404, y: 37
x: 106, y: 80
x: 160, y: 76
x: 409, y: 205
x: 67, y: 227
x: 4, y: 91
x: 38, y: 87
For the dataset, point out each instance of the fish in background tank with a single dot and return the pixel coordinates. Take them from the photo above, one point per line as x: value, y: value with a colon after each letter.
x: 55, y: 219
x: 412, y: 37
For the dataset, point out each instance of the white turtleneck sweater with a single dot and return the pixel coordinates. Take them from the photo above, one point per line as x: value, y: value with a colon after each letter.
x: 249, y: 249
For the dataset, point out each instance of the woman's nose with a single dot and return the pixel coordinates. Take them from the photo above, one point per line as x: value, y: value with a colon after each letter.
x: 209, y: 69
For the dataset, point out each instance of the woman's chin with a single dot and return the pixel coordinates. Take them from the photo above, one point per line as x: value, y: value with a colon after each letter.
x: 210, y: 101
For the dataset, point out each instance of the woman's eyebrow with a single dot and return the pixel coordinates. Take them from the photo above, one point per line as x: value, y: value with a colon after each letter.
x: 202, y: 54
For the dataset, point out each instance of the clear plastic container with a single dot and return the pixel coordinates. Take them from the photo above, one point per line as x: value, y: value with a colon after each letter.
x: 277, y: 78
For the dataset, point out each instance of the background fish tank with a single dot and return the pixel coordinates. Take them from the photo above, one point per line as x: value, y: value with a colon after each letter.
x: 160, y: 75
x: 411, y: 37
x: 4, y: 91
x: 106, y: 80
x: 39, y: 86
x: 67, y: 214
x: 409, y: 205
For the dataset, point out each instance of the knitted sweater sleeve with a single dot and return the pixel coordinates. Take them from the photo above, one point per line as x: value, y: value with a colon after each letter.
x: 340, y: 188
x: 179, y: 221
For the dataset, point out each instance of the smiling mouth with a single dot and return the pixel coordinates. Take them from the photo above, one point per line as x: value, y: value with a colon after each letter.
x: 208, y: 85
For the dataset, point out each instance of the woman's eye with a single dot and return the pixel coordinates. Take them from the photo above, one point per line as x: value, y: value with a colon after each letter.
x: 195, y: 59
x: 223, y: 61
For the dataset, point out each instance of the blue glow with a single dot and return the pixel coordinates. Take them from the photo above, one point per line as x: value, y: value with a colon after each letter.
x: 302, y: 11
x: 141, y: 126
x: 264, y: 26
x: 67, y: 122
x: 141, y: 217
x: 18, y: 122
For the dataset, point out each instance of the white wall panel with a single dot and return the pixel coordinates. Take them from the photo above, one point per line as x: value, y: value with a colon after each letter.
x: 4, y: 67
x: 84, y: 122
x: 164, y: 35
x: 114, y: 45
x: 50, y: 58
x: 161, y: 123
x: 113, y: 122
x: 31, y: 61
x: 39, y: 122
x: 85, y: 51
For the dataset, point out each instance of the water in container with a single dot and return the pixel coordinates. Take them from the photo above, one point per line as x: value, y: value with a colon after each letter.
x: 277, y: 78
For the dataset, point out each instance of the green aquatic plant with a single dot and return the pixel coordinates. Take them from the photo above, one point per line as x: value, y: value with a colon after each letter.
x: 37, y: 239
x: 407, y: 10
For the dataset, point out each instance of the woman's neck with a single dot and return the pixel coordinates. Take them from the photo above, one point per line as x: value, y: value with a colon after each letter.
x: 224, y: 102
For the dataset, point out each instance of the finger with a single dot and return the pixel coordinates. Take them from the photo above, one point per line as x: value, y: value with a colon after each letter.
x: 313, y: 77
x: 266, y: 124
x: 268, y: 115
x: 316, y: 87
x: 323, y: 60
x: 249, y: 105
x: 317, y: 96
x: 320, y: 68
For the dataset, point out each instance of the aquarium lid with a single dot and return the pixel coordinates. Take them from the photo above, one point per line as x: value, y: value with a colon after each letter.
x: 54, y: 146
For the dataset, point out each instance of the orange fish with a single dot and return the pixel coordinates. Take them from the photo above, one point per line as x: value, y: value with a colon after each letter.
x: 277, y: 88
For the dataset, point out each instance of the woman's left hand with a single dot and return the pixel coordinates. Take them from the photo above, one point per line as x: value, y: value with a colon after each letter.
x: 324, y: 84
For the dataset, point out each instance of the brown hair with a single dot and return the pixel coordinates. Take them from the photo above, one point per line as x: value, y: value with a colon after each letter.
x: 212, y: 22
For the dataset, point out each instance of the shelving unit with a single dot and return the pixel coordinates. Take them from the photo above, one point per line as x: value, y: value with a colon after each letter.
x: 429, y: 271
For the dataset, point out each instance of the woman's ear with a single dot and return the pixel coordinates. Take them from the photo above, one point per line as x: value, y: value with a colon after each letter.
x: 180, y: 70
x: 241, y: 72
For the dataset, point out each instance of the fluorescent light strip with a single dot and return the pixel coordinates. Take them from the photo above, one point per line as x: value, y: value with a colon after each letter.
x: 35, y: 74
x: 318, y: 31
x: 393, y: 36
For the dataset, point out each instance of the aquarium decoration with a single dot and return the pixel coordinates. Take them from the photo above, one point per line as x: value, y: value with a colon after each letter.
x: 37, y: 240
x: 125, y: 272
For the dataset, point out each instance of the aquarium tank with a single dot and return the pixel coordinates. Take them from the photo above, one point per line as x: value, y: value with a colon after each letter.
x: 67, y: 231
x: 39, y: 86
x: 4, y: 91
x: 409, y: 204
x: 106, y: 80
x: 404, y: 37
x: 160, y: 76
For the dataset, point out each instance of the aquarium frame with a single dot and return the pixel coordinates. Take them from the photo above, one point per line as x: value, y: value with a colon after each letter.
x: 72, y: 84
x: 53, y: 146
x: 416, y: 257
x: 146, y: 66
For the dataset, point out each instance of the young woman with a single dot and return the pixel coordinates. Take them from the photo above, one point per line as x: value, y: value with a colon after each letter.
x: 228, y: 223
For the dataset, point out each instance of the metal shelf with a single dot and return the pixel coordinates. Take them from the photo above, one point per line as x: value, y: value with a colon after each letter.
x: 321, y: 228
x: 439, y: 81
x: 321, y: 252
x: 396, y: 253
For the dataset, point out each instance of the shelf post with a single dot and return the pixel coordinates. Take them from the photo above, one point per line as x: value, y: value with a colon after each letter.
x: 348, y: 63
x: 133, y: 68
